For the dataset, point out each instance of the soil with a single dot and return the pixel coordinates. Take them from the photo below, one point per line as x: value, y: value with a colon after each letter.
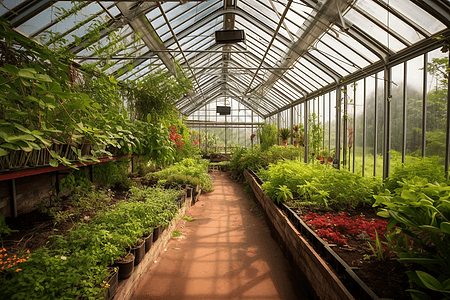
x: 386, y: 278
x: 126, y: 259
x: 33, y: 229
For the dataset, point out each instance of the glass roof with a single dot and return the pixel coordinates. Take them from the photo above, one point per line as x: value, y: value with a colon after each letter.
x: 294, y: 49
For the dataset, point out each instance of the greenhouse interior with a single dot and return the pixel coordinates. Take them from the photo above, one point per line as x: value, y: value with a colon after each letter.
x: 225, y: 149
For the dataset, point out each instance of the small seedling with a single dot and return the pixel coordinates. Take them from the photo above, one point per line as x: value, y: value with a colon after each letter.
x: 188, y: 218
x: 176, y: 233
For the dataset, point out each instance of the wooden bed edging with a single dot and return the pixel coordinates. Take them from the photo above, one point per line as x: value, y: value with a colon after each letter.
x: 322, y: 279
x: 128, y: 286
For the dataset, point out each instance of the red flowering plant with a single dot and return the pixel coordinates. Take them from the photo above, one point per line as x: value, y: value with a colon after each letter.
x: 176, y: 139
x: 334, y: 229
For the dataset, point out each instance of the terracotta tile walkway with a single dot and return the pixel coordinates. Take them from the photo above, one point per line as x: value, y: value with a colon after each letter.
x: 226, y: 253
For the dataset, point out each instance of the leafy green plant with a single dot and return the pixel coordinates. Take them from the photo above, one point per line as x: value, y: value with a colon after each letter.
x: 377, y: 251
x: 176, y: 233
x: 267, y: 134
x: 192, y: 171
x: 4, y: 228
x: 189, y: 219
x: 421, y: 210
x: 428, y: 168
x: 283, y: 193
x: 319, y: 184
x: 284, y: 133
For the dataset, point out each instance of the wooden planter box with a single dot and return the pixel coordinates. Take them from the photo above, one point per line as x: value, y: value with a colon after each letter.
x: 327, y: 273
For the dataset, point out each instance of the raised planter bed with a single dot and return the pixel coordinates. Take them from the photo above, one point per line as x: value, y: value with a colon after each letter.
x: 328, y: 274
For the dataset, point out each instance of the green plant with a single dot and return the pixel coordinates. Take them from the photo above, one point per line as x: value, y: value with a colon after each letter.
x: 176, y: 233
x: 421, y: 210
x: 319, y: 184
x: 283, y: 193
x: 4, y: 228
x: 189, y: 219
x: 267, y: 134
x: 190, y: 170
x: 428, y: 168
x: 315, y: 135
x: 284, y: 133
x: 377, y: 251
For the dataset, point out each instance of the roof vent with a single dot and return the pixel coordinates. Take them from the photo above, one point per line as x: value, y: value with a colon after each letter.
x: 230, y: 36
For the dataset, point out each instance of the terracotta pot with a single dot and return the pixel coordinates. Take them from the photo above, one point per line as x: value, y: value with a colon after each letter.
x: 125, y: 265
x: 138, y: 251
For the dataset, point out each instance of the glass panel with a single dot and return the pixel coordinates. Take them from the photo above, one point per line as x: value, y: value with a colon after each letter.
x: 380, y: 125
x: 332, y: 121
x: 397, y: 115
x: 355, y: 45
x: 393, y: 22
x: 436, y: 104
x: 370, y: 126
x: 345, y: 53
x: 375, y: 31
x: 328, y: 62
x: 414, y: 104
x: 45, y: 17
x: 8, y: 5
x: 358, y: 129
x: 417, y: 15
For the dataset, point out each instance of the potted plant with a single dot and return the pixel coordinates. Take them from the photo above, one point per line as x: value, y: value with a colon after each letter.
x: 284, y: 134
x: 125, y: 265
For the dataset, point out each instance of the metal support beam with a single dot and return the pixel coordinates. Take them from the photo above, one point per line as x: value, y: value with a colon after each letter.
x: 424, y: 105
x: 447, y: 133
x: 338, y: 125
x: 364, y: 129
x: 375, y: 137
x: 405, y: 96
x: 269, y: 45
x: 139, y: 22
x: 179, y: 46
x: 387, y: 121
x: 13, y: 197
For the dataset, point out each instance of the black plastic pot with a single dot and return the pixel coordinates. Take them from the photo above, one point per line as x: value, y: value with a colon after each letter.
x: 148, y: 242
x: 126, y: 268
x: 113, y: 282
x: 139, y: 251
x: 189, y: 192
x: 156, y: 233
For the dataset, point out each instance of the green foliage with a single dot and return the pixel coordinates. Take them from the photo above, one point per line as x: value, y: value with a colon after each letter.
x: 189, y: 170
x: 267, y: 134
x: 74, y: 266
x: 284, y: 133
x: 421, y: 210
x: 427, y: 168
x: 186, y: 218
x: 378, y: 249
x: 156, y: 93
x: 315, y: 135
x: 319, y: 184
x: 113, y: 173
x: 4, y: 228
x: 255, y: 159
x: 176, y: 233
x: 282, y: 193
x: 75, y: 180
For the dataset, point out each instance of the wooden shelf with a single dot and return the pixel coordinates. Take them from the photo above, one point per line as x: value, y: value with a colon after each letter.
x: 13, y: 174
